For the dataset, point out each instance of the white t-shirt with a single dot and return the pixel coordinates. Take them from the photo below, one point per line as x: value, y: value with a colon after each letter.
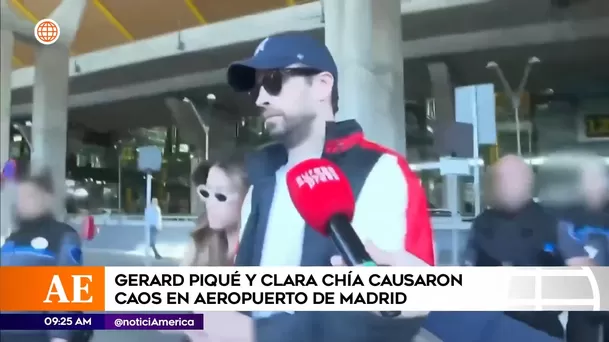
x: 380, y: 215
x: 285, y: 228
x: 153, y: 217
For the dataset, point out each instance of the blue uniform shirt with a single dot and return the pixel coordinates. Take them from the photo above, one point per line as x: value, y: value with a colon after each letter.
x: 42, y: 242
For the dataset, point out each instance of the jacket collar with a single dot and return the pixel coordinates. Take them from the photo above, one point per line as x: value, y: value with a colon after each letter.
x: 340, y: 137
x: 261, y: 168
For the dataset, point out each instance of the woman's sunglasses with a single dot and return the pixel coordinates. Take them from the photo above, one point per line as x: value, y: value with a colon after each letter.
x: 206, y: 194
x: 273, y: 80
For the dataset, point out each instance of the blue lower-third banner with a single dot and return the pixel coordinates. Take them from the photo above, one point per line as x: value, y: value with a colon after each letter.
x: 106, y: 321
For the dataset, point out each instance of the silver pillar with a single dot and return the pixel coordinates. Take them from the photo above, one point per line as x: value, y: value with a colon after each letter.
x: 50, y: 107
x: 365, y: 38
x: 442, y: 91
x: 196, y: 206
x: 7, y: 41
x: 7, y: 46
x: 50, y: 116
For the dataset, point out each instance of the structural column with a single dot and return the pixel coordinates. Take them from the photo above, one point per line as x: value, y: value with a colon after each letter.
x: 6, y: 49
x: 50, y: 116
x: 365, y: 38
x: 196, y: 205
x: 442, y: 91
x: 444, y: 117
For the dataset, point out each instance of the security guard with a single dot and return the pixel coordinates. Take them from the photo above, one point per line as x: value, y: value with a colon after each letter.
x: 40, y: 240
x: 516, y: 231
x: 574, y: 187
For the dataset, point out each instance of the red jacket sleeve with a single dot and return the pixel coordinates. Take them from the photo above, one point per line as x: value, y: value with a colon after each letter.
x: 419, y: 232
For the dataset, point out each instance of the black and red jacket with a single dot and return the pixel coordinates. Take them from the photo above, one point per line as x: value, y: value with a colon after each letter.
x: 391, y: 210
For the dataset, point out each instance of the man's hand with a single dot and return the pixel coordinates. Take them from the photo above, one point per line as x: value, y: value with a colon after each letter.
x: 224, y: 327
x: 400, y: 258
x: 197, y: 336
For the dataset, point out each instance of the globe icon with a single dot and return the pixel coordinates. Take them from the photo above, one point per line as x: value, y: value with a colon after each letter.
x: 47, y: 32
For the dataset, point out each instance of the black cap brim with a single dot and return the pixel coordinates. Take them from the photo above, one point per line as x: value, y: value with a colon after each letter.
x: 241, y: 76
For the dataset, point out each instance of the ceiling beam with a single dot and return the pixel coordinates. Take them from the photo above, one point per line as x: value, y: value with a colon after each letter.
x: 195, y: 11
x: 67, y: 14
x: 537, y: 34
x: 139, y: 90
x: 24, y: 11
x: 112, y: 20
x: 18, y: 62
x: 16, y: 21
x: 475, y: 41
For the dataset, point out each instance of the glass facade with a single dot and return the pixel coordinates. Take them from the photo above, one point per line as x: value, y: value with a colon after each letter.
x: 105, y: 178
x: 548, y: 123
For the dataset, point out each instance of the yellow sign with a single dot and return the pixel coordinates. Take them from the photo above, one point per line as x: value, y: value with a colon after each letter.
x: 597, y: 125
x: 504, y: 105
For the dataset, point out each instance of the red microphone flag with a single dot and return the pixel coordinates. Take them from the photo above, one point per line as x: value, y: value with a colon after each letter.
x: 89, y: 229
x: 319, y: 190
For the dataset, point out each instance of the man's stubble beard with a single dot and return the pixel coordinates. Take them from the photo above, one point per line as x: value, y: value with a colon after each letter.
x: 294, y: 132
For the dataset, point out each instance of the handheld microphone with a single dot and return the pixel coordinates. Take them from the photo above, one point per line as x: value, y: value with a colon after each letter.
x: 322, y: 195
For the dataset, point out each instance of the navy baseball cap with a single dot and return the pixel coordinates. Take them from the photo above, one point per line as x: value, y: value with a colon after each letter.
x: 278, y: 52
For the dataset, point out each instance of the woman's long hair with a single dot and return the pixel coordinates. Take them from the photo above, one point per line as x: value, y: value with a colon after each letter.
x: 211, y: 245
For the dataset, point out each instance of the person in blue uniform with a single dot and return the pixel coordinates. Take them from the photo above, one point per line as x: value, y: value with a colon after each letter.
x: 513, y: 231
x: 40, y: 240
x: 574, y: 187
x: 517, y: 231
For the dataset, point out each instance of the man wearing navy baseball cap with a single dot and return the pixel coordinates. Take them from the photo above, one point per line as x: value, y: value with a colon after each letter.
x: 293, y: 79
x: 282, y: 57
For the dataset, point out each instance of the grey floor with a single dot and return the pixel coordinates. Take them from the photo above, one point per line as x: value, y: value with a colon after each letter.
x: 122, y: 246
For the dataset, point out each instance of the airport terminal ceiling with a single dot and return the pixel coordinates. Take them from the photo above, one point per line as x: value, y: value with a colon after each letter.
x: 108, y: 23
x: 564, y: 68
x: 562, y: 63
x: 479, y: 15
x: 153, y: 111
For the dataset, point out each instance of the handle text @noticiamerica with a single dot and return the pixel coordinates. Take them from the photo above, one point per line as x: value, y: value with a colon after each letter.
x: 154, y: 322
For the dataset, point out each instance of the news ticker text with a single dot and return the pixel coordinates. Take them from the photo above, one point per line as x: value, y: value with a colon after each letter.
x: 290, y: 289
x: 123, y: 321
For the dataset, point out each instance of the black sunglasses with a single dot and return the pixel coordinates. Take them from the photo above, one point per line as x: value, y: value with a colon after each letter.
x: 273, y: 80
x: 219, y: 196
